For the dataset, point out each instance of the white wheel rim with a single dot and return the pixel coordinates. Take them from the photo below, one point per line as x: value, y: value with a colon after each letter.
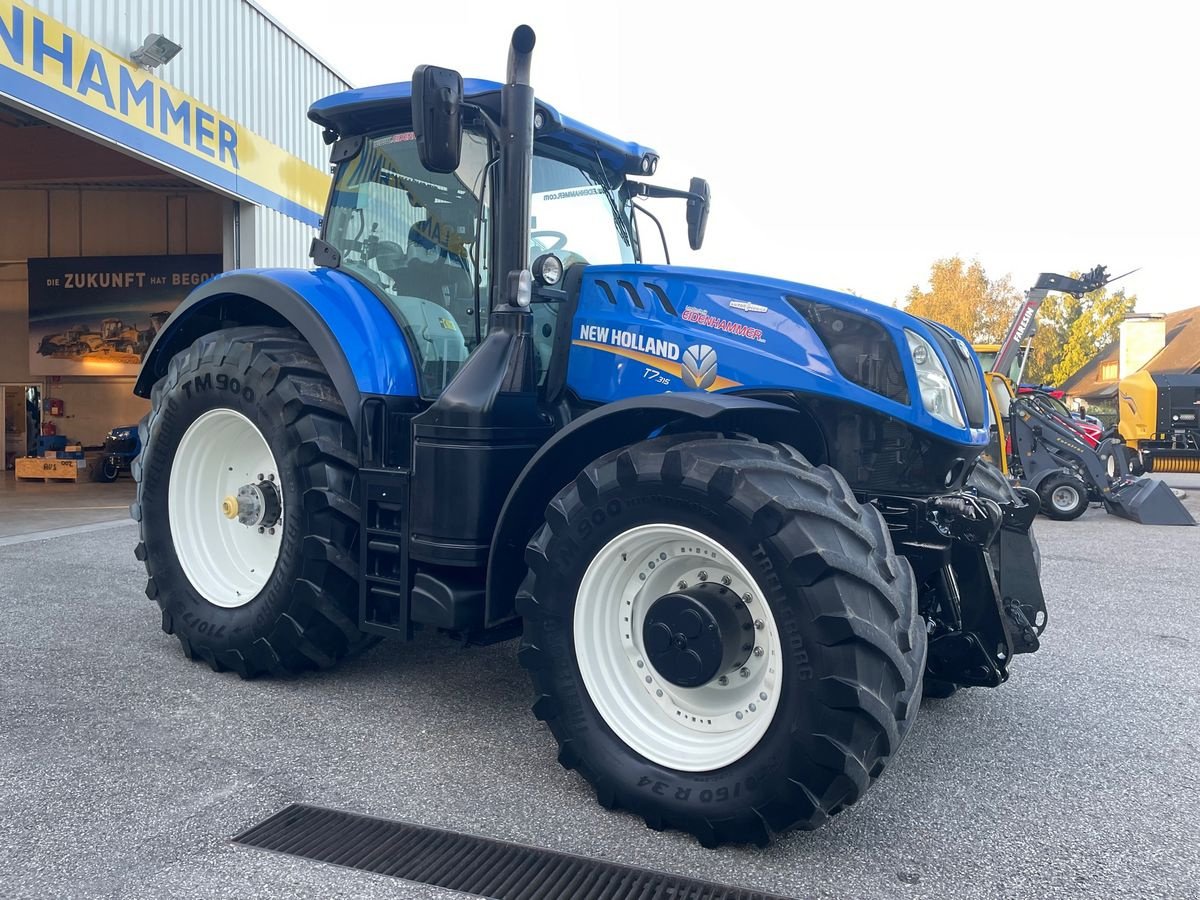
x: 226, y: 561
x: 688, y: 729
x: 1064, y: 498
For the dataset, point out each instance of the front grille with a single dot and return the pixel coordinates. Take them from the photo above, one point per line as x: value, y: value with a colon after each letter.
x: 119, y: 445
x: 962, y: 368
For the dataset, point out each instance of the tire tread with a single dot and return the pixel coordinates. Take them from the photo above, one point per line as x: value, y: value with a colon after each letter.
x: 867, y: 617
x: 319, y: 627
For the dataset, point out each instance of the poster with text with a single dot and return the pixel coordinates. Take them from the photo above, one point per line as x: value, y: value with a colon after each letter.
x: 97, y: 315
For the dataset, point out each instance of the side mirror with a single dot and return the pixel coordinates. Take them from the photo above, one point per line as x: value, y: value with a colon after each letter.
x: 697, y: 212
x: 437, y: 117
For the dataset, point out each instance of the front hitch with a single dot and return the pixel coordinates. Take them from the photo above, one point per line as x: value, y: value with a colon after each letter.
x: 978, y: 562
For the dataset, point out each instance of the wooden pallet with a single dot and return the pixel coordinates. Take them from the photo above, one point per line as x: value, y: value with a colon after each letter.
x: 35, y: 468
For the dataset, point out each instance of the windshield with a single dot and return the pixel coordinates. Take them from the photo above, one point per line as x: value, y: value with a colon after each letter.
x: 988, y: 356
x: 575, y: 217
x: 1001, y: 392
x: 1058, y: 406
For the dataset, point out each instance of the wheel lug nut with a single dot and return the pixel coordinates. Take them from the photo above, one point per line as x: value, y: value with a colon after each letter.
x: 758, y: 623
x: 747, y: 597
x: 758, y: 651
x: 703, y: 576
x: 745, y: 673
x: 271, y: 477
x: 270, y: 531
x: 260, y: 477
x: 682, y: 585
x: 722, y: 681
x: 261, y: 529
x: 726, y: 580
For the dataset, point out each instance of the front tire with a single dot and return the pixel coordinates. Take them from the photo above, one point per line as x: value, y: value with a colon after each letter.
x: 106, y: 472
x: 246, y: 506
x: 817, y: 715
x: 1064, y: 497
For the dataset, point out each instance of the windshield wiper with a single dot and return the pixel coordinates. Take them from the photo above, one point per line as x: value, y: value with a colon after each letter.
x: 616, y: 210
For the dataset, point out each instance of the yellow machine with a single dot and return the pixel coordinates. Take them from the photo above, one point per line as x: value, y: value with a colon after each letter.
x: 987, y: 357
x: 1000, y: 393
x: 1035, y: 441
x: 1159, y: 416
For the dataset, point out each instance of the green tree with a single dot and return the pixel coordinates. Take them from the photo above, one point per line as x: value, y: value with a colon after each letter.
x: 962, y: 296
x: 1071, y: 331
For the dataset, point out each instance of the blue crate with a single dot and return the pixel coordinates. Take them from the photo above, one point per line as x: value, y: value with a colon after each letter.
x: 51, y: 442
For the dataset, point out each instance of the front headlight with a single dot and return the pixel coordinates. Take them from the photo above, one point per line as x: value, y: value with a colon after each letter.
x: 937, y: 391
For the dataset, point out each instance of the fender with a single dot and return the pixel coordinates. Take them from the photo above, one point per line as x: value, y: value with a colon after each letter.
x: 615, y: 425
x: 1035, y: 482
x: 353, y: 331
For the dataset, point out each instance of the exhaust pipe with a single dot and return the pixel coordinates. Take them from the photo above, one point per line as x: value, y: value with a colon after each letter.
x: 516, y: 164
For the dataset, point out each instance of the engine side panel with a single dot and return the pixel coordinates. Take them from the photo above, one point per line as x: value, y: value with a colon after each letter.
x: 652, y: 329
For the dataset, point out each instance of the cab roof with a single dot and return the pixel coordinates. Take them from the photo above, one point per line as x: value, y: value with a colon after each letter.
x: 363, y: 110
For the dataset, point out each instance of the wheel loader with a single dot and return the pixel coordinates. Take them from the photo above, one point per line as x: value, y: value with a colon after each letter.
x: 738, y: 523
x: 1035, y: 441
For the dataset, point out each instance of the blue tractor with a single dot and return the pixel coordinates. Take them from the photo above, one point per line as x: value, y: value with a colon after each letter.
x: 739, y: 524
x: 121, y: 448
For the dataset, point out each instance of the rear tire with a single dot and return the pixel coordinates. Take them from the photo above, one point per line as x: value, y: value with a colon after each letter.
x: 839, y: 622
x: 291, y: 601
x: 1064, y: 497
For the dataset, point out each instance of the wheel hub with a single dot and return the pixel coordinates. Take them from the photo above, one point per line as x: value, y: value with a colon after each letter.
x: 1063, y: 498
x: 257, y: 505
x: 694, y: 635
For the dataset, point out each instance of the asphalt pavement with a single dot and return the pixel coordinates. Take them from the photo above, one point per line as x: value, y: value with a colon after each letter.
x: 125, y: 769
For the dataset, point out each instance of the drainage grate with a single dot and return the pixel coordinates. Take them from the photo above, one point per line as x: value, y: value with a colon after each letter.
x: 473, y: 865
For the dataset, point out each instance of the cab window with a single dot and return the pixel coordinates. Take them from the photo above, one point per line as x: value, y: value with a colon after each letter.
x: 582, y: 222
x: 421, y: 239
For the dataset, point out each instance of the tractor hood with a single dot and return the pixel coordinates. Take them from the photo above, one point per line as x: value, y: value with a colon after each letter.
x: 676, y: 328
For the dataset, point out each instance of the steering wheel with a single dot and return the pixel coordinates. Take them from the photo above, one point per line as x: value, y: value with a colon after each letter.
x: 560, y: 239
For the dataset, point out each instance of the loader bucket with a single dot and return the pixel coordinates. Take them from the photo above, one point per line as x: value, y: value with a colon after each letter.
x: 1147, y: 501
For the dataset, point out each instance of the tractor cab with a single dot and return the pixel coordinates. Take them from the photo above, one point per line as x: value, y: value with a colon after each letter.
x: 424, y: 239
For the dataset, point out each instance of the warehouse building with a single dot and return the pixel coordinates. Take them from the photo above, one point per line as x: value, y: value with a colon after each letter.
x: 144, y: 146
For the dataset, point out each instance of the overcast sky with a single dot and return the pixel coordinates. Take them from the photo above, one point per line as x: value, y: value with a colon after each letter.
x: 848, y: 145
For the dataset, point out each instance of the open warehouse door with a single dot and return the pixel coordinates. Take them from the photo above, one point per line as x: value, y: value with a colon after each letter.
x: 96, y: 248
x: 127, y: 177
